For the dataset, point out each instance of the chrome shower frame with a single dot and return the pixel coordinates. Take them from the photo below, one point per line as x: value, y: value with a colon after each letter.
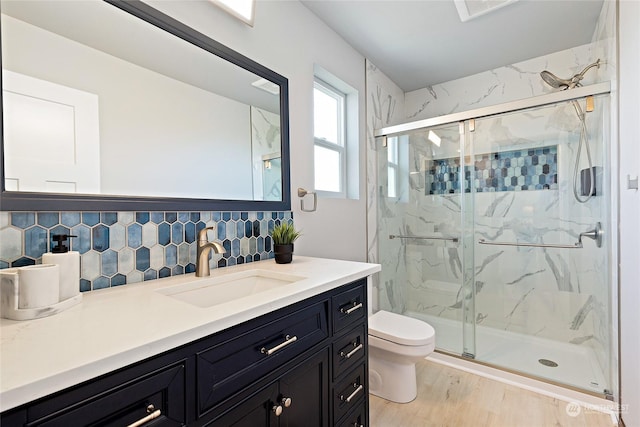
x: 596, y: 233
x: 507, y: 107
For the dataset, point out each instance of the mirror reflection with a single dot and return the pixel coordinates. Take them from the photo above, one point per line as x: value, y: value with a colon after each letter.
x: 97, y: 101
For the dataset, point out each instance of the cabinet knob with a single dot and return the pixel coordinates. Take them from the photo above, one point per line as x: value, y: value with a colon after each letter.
x: 286, y: 402
x: 277, y: 409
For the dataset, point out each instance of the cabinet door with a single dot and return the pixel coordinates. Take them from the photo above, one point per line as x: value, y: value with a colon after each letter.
x: 255, y: 411
x: 307, y: 387
x: 297, y: 399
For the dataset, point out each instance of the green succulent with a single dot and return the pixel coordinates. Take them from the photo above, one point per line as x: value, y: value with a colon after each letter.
x: 284, y: 234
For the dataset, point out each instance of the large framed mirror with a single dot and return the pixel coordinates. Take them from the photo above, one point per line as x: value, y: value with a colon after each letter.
x: 113, y: 105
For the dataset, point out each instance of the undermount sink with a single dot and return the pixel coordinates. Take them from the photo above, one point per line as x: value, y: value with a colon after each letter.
x: 210, y: 291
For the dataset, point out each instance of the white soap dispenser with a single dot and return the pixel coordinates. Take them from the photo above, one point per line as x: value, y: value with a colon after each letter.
x: 68, y: 263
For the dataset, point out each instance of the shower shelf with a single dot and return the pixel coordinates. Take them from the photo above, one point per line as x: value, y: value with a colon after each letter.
x: 396, y: 236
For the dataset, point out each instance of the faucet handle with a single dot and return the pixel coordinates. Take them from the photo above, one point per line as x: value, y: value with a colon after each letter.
x: 202, y: 234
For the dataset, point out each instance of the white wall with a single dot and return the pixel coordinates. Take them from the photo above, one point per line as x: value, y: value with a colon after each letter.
x: 629, y: 234
x: 289, y: 39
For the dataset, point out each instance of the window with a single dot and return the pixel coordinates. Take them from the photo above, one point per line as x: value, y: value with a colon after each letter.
x: 329, y: 139
x: 398, y: 173
x: 393, y: 166
x: 244, y: 10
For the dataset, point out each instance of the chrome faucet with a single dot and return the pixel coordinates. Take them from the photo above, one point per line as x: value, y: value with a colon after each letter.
x: 204, y: 248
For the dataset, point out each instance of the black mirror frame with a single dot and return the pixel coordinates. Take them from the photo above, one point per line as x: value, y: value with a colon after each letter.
x: 32, y: 201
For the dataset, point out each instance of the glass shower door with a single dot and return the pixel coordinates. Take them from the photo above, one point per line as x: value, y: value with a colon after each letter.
x: 421, y: 212
x: 542, y: 300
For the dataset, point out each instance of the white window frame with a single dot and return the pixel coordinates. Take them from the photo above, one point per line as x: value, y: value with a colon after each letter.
x: 398, y: 147
x: 340, y: 145
x: 392, y: 151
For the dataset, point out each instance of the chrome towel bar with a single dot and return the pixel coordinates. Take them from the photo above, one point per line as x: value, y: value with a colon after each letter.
x: 531, y: 245
x: 595, y: 234
x: 396, y: 236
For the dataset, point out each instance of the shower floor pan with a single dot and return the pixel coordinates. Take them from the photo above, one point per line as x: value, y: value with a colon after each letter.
x: 576, y: 365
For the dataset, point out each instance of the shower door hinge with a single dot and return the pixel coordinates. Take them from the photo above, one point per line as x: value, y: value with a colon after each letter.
x: 468, y: 355
x: 608, y: 394
x: 472, y: 125
x: 384, y: 141
x: 632, y: 184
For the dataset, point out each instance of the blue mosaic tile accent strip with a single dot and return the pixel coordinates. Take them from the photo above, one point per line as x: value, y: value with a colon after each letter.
x: 518, y: 170
x: 116, y: 248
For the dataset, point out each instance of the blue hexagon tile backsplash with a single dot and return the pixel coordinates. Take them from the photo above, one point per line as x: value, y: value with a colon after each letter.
x: 117, y: 248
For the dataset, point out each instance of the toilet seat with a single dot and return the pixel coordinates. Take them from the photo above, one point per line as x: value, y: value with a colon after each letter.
x: 400, y: 329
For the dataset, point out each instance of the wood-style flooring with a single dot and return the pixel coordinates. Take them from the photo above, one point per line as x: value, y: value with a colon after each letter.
x: 451, y: 397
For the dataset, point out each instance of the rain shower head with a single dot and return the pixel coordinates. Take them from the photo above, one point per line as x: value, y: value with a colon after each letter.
x: 558, y: 83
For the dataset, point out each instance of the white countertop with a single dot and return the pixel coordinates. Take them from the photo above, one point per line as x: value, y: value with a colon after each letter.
x: 115, y: 327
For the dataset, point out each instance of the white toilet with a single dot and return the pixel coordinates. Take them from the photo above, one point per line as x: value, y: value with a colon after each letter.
x: 396, y: 343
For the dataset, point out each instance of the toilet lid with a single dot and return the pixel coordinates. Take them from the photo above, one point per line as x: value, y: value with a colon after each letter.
x: 400, y: 329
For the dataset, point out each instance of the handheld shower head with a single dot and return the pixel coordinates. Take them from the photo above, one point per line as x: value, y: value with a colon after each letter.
x: 558, y: 83
x: 554, y: 81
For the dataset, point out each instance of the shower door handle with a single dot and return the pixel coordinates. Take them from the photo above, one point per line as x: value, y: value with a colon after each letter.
x: 531, y: 245
x: 595, y: 234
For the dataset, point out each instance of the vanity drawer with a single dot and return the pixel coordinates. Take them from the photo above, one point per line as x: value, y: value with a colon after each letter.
x: 358, y: 418
x: 349, y: 306
x: 159, y: 396
x: 237, y: 362
x: 348, y: 350
x: 349, y: 393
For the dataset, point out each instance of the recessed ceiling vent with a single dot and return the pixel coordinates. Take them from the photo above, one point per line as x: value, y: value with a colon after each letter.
x: 470, y: 9
x: 267, y: 86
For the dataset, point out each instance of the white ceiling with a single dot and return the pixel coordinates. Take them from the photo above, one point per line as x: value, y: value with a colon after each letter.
x: 108, y: 29
x: 418, y: 43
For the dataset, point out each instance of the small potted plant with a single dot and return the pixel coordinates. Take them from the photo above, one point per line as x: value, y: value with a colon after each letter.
x: 283, y: 236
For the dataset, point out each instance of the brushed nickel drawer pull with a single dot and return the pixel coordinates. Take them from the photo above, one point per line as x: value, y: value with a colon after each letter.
x: 352, y: 309
x: 354, y: 394
x: 152, y: 416
x: 288, y: 340
x: 352, y: 352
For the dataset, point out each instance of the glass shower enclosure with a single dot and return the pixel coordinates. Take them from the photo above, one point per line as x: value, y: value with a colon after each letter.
x: 493, y: 227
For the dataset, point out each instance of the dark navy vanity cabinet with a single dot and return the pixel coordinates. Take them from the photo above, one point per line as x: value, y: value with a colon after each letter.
x: 302, y: 365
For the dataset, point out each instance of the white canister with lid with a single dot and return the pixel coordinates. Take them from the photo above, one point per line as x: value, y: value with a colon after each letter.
x: 38, y: 286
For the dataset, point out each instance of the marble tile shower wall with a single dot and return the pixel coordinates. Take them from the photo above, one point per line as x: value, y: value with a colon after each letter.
x: 504, y: 84
x: 385, y: 105
x: 117, y: 248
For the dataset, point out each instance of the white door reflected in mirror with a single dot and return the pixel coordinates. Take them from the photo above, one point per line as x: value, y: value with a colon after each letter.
x: 51, y: 136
